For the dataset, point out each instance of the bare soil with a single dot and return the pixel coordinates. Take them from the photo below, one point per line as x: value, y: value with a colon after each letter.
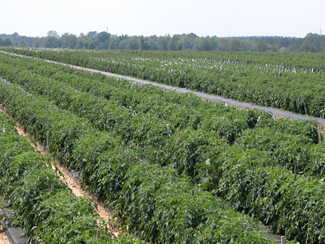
x: 3, y: 238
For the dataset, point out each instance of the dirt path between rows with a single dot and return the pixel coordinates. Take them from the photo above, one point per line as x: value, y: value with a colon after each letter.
x: 3, y: 238
x: 71, y: 183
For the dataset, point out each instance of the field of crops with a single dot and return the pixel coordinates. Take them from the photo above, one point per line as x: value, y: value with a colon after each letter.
x: 289, y: 81
x: 174, y: 167
x: 43, y: 204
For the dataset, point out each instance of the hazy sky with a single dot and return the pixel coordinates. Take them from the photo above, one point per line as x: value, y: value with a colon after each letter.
x: 161, y: 17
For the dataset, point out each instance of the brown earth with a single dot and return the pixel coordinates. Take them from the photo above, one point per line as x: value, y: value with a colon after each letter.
x: 3, y: 238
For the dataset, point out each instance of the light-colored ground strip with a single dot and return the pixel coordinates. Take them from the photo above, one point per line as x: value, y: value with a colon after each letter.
x: 204, y: 96
x: 3, y: 238
x: 73, y: 185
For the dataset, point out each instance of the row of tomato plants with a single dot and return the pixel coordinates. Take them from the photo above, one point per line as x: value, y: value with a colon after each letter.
x: 211, y: 177
x: 168, y: 106
x: 150, y: 133
x: 306, y: 61
x: 294, y: 152
x: 267, y: 86
x: 142, y: 194
x: 261, y: 141
x: 48, y: 215
x: 178, y: 109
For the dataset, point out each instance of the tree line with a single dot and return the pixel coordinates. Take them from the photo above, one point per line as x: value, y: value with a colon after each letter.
x: 104, y: 40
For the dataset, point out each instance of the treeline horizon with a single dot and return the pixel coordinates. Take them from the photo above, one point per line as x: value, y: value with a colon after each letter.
x: 178, y: 42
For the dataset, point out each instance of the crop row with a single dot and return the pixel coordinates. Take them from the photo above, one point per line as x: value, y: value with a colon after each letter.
x: 251, y: 167
x: 148, y: 129
x: 167, y: 106
x: 142, y: 194
x: 267, y: 85
x: 43, y: 204
x: 307, y: 61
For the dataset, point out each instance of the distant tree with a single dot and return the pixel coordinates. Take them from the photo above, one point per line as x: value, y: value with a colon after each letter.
x: 173, y: 42
x: 1, y: 42
x: 65, y: 40
x: 162, y: 43
x: 204, y: 45
x: 52, y: 39
x: 73, y: 41
x: 275, y: 48
x: 235, y: 45
x: 253, y: 46
x: 85, y: 44
x: 37, y: 42
x: 261, y: 45
x: 103, y: 39
x: 192, y: 35
x: 312, y: 49
x: 214, y: 42
x: 245, y: 45
x: 153, y: 42
x: 144, y: 44
x: 283, y: 50
x: 305, y: 46
x: 53, y: 33
x: 324, y: 48
x: 80, y: 43
x: 122, y: 44
x: 223, y: 44
x: 15, y: 38
x: 184, y: 41
x: 87, y: 40
x: 112, y: 44
x: 92, y: 33
x: 7, y: 42
x: 22, y: 43
x: 15, y: 35
x: 91, y: 45
x: 103, y: 36
x: 133, y: 43
x: 316, y: 40
x: 179, y: 46
x: 123, y: 37
x: 188, y: 43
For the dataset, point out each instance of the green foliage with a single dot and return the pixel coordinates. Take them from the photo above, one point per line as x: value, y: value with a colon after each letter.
x: 169, y: 213
x: 135, y: 117
x: 251, y: 183
x: 49, y: 216
x: 76, y: 144
x: 288, y: 81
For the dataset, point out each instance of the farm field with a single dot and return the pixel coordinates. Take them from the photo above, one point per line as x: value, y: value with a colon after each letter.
x: 65, y: 135
x: 173, y: 166
x: 289, y: 81
x: 42, y: 202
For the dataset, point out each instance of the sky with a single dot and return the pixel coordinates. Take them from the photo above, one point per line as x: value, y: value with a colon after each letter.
x: 293, y: 18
